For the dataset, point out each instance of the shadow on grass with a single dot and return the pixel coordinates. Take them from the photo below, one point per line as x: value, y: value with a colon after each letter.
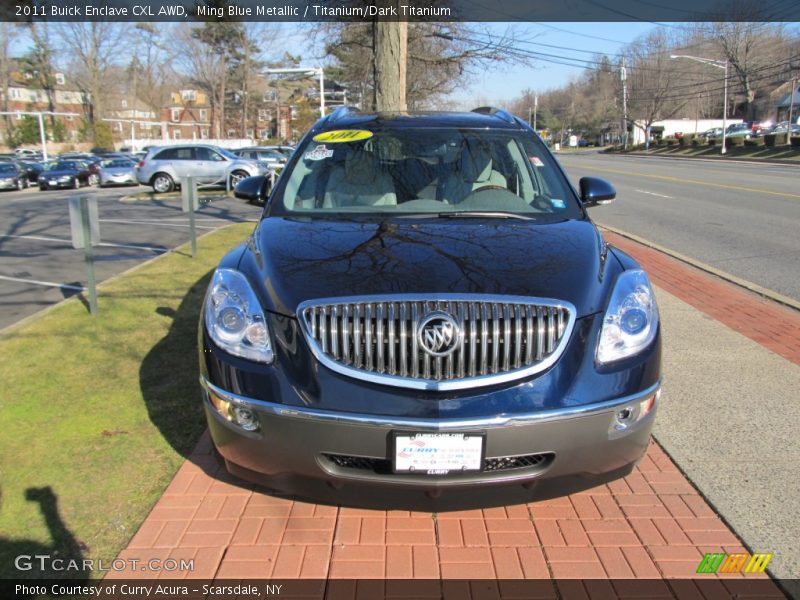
x: 34, y: 557
x: 168, y: 376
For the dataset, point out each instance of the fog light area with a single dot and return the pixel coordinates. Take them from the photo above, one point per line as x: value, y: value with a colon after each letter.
x: 627, y: 416
x: 236, y: 414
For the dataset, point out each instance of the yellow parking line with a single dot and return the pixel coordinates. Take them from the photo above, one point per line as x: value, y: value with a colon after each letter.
x: 706, y: 183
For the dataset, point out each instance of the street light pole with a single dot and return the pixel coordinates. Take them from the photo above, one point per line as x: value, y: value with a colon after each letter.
x: 720, y: 64
x: 725, y: 110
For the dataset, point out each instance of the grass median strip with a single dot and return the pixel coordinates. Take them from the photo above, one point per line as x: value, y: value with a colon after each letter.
x: 97, y: 414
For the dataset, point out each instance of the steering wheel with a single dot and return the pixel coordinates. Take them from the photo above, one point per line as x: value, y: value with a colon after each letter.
x: 489, y: 187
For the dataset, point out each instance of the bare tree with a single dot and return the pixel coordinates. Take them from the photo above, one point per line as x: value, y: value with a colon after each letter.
x: 95, y: 49
x: 8, y: 32
x: 754, y: 51
x: 150, y: 70
x: 652, y: 78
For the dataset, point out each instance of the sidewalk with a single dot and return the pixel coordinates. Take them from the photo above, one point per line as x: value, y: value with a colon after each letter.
x: 653, y: 524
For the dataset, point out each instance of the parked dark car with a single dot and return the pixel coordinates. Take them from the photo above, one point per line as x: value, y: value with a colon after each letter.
x: 425, y: 315
x: 64, y: 174
x: 12, y: 177
x: 32, y: 170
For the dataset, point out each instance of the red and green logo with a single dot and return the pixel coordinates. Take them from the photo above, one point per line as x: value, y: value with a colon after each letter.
x: 734, y: 563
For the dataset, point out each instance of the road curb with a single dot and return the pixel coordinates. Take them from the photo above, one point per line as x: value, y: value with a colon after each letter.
x: 740, y: 160
x: 748, y: 285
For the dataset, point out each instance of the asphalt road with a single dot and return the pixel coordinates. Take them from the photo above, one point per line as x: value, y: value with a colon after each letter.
x: 38, y: 265
x: 741, y: 218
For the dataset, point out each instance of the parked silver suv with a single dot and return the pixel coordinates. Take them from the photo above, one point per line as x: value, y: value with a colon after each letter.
x: 163, y: 167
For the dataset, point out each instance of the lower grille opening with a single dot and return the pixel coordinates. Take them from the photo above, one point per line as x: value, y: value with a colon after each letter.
x: 383, y: 466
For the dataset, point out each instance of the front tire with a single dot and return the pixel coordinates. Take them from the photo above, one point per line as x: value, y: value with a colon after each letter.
x: 236, y: 177
x: 19, y: 185
x: 76, y: 184
x: 93, y: 180
x: 163, y: 183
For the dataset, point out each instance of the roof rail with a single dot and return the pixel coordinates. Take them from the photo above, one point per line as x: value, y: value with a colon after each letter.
x: 498, y: 112
x: 342, y: 111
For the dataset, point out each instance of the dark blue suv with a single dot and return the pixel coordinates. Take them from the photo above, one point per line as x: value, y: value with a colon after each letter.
x: 426, y: 316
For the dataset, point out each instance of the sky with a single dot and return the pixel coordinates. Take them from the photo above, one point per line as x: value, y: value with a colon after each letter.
x: 581, y: 38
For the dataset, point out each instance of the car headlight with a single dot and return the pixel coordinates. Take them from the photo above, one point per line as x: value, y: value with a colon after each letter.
x: 631, y: 320
x: 65, y: 178
x: 7, y: 179
x: 234, y: 318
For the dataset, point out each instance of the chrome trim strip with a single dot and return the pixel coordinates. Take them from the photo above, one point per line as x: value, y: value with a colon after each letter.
x: 489, y: 372
x: 282, y: 410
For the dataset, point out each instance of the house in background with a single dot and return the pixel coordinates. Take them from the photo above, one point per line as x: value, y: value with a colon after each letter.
x: 25, y: 93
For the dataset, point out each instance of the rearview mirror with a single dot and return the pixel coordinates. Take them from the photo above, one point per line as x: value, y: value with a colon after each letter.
x: 596, y: 191
x: 252, y: 189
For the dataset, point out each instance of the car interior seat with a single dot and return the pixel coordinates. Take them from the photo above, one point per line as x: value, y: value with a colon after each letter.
x: 473, y: 169
x: 360, y: 181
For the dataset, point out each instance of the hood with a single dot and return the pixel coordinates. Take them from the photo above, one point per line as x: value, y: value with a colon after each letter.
x: 296, y: 260
x: 60, y: 173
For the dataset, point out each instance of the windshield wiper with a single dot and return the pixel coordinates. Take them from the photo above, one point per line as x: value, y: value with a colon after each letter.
x: 483, y: 215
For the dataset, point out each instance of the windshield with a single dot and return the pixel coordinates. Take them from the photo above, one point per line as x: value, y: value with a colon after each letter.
x: 427, y: 170
x: 63, y: 165
x: 117, y: 163
x: 228, y: 154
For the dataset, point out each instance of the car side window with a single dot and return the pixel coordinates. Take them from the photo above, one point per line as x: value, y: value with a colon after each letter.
x: 208, y: 154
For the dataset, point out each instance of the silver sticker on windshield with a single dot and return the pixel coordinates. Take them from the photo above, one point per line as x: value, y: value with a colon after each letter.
x: 321, y: 152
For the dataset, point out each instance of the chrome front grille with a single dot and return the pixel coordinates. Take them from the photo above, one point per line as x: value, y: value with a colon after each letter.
x: 491, y: 340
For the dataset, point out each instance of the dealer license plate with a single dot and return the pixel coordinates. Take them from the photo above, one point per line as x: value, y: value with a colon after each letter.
x: 437, y: 453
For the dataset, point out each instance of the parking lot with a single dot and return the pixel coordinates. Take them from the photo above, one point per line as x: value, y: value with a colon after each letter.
x: 38, y: 265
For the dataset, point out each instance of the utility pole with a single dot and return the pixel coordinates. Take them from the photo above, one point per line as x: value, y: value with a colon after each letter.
x: 623, y: 76
x: 791, y: 104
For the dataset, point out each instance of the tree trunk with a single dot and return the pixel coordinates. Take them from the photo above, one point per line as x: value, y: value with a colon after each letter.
x: 390, y: 66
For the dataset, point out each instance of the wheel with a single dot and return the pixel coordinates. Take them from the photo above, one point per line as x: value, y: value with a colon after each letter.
x: 237, y: 176
x: 163, y: 183
x: 42, y: 187
x: 92, y: 180
x: 76, y: 184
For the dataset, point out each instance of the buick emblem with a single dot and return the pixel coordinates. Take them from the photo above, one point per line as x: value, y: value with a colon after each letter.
x: 438, y: 334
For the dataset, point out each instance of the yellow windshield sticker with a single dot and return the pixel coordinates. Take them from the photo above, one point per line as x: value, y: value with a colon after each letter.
x: 343, y: 135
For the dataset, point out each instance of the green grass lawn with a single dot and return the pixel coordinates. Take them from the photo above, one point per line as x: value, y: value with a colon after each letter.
x: 97, y: 414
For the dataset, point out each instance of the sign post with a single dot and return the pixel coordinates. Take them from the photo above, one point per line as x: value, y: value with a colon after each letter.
x: 85, y: 229
x: 189, y: 204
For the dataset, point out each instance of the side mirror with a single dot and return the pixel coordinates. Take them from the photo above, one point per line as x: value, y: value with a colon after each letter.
x: 251, y: 189
x: 596, y: 191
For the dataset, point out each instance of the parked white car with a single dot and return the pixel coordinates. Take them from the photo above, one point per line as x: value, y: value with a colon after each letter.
x: 164, y: 167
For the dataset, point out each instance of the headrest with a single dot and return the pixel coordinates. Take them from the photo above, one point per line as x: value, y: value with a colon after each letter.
x: 360, y: 167
x: 475, y: 161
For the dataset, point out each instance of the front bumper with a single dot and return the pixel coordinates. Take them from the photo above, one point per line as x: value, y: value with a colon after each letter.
x: 299, y: 450
x: 118, y: 180
x: 8, y: 185
x: 57, y: 184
